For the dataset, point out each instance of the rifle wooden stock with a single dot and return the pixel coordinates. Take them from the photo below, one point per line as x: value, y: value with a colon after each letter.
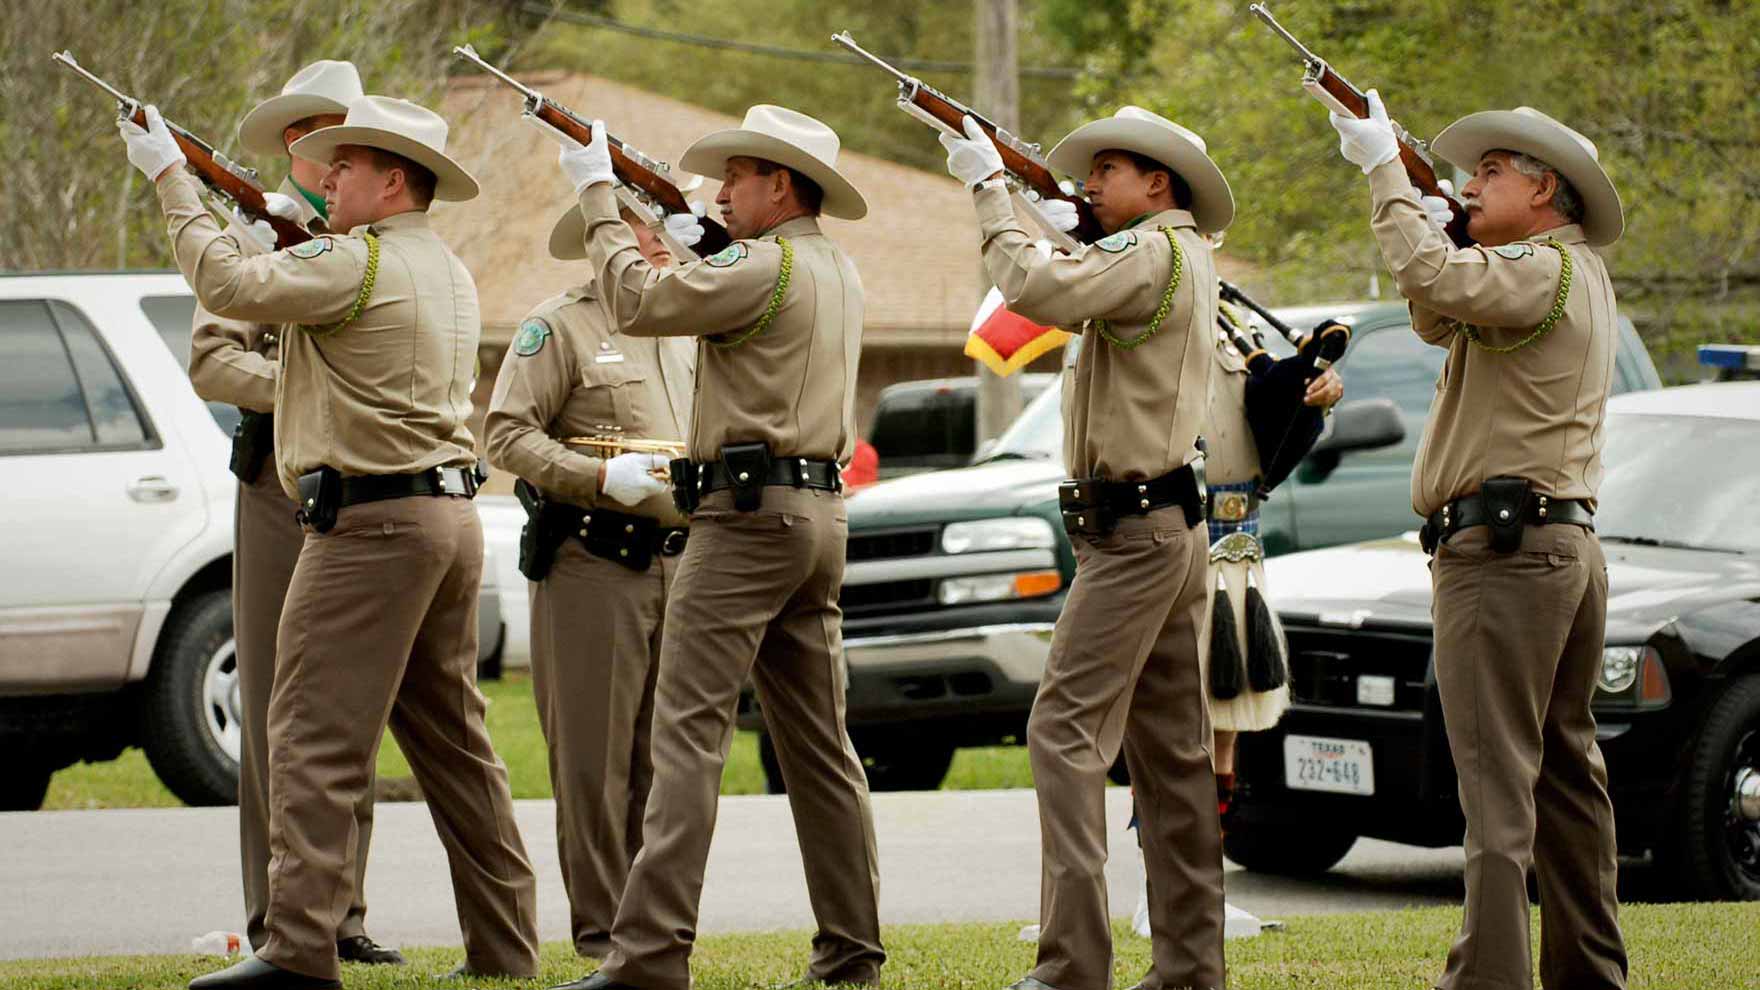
x: 218, y: 175
x: 633, y: 173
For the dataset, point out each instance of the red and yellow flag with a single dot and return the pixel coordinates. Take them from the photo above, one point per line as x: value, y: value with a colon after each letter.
x: 1007, y: 342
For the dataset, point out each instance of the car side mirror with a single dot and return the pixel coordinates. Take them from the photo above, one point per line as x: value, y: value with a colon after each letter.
x: 1360, y: 424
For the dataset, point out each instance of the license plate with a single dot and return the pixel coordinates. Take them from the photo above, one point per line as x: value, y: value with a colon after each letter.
x: 1339, y: 766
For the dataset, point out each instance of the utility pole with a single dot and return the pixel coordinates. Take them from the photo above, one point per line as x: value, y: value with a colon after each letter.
x: 999, y: 96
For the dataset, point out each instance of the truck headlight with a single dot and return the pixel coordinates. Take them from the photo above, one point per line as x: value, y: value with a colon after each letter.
x: 1013, y: 533
x: 998, y: 587
x: 1620, y: 666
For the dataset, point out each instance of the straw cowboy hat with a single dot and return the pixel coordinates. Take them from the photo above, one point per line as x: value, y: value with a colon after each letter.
x: 400, y: 127
x: 1138, y: 130
x: 325, y: 86
x: 568, y: 237
x: 786, y: 137
x: 1532, y: 133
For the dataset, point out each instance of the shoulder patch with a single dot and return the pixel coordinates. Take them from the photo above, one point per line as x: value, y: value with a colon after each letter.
x: 312, y: 248
x: 1514, y: 251
x: 1114, y: 243
x: 728, y: 256
x: 531, y: 337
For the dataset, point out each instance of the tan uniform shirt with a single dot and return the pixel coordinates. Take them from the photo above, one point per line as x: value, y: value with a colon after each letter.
x: 583, y: 378
x: 236, y: 362
x: 792, y: 386
x: 1231, y: 456
x: 390, y: 392
x: 1536, y: 413
x: 1129, y: 414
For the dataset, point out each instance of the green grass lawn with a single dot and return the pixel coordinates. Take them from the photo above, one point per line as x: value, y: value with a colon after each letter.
x: 129, y: 782
x: 1674, y: 947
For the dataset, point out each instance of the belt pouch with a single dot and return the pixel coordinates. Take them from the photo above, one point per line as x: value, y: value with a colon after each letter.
x: 626, y: 540
x: 320, y: 498
x: 748, y: 470
x: 685, y: 493
x: 1083, y: 509
x: 252, y: 440
x: 1506, y: 511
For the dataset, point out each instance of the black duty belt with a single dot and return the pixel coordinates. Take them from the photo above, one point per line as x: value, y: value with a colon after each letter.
x: 620, y: 537
x: 1505, y: 506
x: 1092, y: 506
x: 461, y: 482
x: 795, y: 472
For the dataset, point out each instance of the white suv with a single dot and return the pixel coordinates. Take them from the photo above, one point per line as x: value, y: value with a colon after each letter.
x: 116, y: 540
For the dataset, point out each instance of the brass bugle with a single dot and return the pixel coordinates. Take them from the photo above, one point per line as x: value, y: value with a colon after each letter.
x: 612, y: 446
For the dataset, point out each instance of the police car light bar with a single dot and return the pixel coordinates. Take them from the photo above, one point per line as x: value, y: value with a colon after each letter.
x: 1734, y: 356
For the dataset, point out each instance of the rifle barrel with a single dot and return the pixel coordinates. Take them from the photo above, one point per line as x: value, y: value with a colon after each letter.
x: 843, y: 38
x: 1263, y: 12
x: 66, y: 59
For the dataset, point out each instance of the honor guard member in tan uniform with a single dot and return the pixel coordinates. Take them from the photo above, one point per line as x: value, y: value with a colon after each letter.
x: 601, y: 549
x: 380, y: 620
x: 1506, y: 478
x: 237, y: 362
x: 1124, y: 667
x: 779, y: 314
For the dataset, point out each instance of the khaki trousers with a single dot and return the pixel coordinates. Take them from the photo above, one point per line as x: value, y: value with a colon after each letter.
x: 596, y: 632
x: 380, y: 627
x: 1518, y: 649
x: 756, y: 594
x: 1124, y: 669
x: 266, y: 543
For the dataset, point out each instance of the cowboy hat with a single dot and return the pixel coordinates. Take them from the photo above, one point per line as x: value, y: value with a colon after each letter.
x: 325, y: 86
x: 1138, y: 130
x: 400, y: 127
x: 568, y: 236
x: 786, y: 137
x: 1536, y: 135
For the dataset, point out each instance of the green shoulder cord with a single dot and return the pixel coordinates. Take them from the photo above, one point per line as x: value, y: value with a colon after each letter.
x: 1105, y: 327
x: 1552, y: 316
x: 769, y: 317
x: 366, y: 293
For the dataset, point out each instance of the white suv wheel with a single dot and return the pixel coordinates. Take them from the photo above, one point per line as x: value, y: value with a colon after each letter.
x: 222, y: 706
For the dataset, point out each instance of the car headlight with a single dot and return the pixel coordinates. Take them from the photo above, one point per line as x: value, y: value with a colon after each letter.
x: 1620, y: 666
x: 997, y: 587
x: 1014, y: 533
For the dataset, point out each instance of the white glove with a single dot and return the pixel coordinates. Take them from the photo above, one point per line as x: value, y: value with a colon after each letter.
x: 973, y: 158
x: 629, y: 478
x: 281, y: 206
x: 262, y: 233
x: 152, y: 150
x: 1061, y: 214
x: 1367, y: 142
x: 686, y: 228
x: 1440, y: 208
x: 585, y: 166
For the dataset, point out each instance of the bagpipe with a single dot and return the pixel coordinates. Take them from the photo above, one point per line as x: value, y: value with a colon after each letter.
x: 1284, y: 428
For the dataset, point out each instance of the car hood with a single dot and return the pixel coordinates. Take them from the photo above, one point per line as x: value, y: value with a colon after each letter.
x: 991, y: 489
x: 1387, y: 582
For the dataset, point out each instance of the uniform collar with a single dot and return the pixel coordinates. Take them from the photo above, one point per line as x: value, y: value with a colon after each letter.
x: 794, y: 228
x: 586, y: 290
x: 1170, y: 218
x: 407, y: 220
x: 1570, y: 233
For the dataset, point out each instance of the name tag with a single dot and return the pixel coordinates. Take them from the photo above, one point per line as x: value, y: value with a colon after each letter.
x: 608, y: 359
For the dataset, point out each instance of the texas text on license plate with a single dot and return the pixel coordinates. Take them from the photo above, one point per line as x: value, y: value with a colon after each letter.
x: 1341, y: 766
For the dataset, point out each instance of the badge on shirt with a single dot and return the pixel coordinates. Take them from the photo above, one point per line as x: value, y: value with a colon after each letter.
x: 728, y: 256
x: 1515, y: 251
x: 311, y: 249
x: 1114, y: 243
x: 531, y: 337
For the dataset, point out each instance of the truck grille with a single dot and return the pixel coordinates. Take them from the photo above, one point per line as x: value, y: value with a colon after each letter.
x: 859, y: 599
x: 887, y: 545
x: 1326, y: 662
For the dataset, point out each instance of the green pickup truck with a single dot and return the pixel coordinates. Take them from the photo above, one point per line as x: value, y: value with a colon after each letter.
x: 956, y: 577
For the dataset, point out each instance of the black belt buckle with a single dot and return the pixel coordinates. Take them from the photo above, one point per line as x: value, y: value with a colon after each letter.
x: 1084, y: 511
x: 1506, y: 511
x: 686, y: 489
x: 672, y: 542
x: 320, y: 499
x: 748, y: 471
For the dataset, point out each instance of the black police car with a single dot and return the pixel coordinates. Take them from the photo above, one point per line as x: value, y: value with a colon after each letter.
x: 1362, y: 751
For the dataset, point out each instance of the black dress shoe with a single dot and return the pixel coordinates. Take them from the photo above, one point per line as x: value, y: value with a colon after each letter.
x: 597, y: 981
x: 362, y: 949
x: 255, y: 974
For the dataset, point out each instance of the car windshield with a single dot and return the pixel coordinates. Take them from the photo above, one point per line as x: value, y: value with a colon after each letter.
x: 1037, y: 433
x: 1681, y: 481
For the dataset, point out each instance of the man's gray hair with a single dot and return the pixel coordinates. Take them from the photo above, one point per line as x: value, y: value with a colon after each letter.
x: 1565, y: 199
